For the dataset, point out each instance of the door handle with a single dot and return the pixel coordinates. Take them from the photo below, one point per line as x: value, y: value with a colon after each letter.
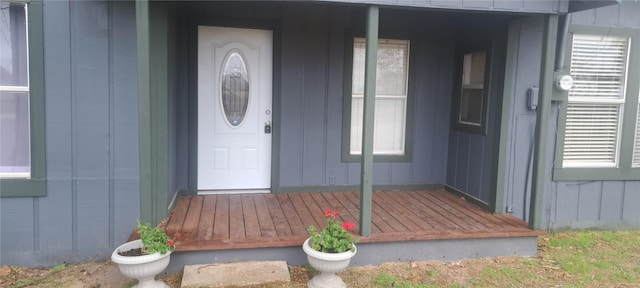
x: 267, y: 127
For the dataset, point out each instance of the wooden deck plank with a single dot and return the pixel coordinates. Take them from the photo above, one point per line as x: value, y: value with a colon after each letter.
x: 304, y: 213
x: 454, y: 213
x: 314, y: 209
x: 441, y: 215
x: 251, y: 224
x: 265, y: 219
x: 376, y: 219
x: 345, y: 214
x: 421, y: 211
x: 278, y: 216
x: 279, y: 220
x: 178, y: 215
x: 469, y: 209
x: 207, y: 217
x: 298, y: 227
x: 236, y: 218
x: 378, y: 209
x: 396, y: 206
x: 221, y: 224
x: 190, y: 225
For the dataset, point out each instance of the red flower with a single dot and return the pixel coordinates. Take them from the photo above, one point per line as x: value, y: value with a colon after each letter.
x: 348, y: 226
x: 170, y: 243
x: 328, y: 213
x: 335, y: 213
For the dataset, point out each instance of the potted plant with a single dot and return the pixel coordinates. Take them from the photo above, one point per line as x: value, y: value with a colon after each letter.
x: 146, y: 257
x: 330, y: 250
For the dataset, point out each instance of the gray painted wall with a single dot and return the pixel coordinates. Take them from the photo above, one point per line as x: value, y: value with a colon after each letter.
x: 471, y: 155
x: 567, y: 204
x: 92, y: 140
x: 594, y: 204
x: 312, y: 45
x: 521, y: 124
x: 312, y: 98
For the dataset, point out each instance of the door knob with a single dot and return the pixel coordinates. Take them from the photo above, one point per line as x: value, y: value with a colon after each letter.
x: 267, y: 127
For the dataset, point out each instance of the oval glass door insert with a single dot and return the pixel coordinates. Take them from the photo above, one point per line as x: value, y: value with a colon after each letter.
x: 234, y: 87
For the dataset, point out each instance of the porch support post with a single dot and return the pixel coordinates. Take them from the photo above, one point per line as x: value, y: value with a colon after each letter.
x: 151, y: 31
x: 371, y: 59
x: 540, y: 172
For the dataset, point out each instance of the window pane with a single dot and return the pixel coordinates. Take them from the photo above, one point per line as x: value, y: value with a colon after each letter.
x: 596, y: 101
x: 591, y: 135
x: 13, y: 44
x: 598, y: 66
x: 391, y: 71
x: 14, y: 132
x: 391, y: 97
x: 473, y: 73
x: 388, y: 134
x: 471, y: 106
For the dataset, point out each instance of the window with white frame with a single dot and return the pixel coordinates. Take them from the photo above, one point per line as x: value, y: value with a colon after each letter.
x: 391, y: 97
x: 596, y: 101
x: 14, y: 92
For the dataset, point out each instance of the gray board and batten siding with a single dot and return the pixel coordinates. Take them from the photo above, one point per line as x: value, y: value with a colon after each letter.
x: 311, y: 97
x: 92, y: 196
x: 594, y: 204
x: 566, y: 204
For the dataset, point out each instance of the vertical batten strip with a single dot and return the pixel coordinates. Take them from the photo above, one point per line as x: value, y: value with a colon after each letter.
x: 542, y: 121
x: 112, y: 124
x: 74, y: 137
x: 144, y: 102
x: 371, y: 59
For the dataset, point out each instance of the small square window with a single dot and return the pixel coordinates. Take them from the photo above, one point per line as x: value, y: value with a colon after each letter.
x: 472, y: 97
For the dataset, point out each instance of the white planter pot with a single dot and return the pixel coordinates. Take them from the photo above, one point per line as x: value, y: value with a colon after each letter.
x: 144, y: 268
x: 328, y: 264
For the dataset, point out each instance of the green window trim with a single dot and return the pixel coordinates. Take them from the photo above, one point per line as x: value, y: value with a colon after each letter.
x: 36, y: 184
x: 623, y: 171
x: 347, y: 92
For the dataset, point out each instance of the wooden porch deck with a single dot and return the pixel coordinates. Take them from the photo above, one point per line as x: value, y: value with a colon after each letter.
x: 221, y: 222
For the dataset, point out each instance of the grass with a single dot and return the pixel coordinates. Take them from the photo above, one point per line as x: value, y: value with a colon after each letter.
x: 567, y: 259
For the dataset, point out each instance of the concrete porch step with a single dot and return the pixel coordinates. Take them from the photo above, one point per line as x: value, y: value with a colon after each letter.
x: 235, y: 274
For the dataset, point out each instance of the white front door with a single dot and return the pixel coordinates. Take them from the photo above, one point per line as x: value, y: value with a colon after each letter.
x: 234, y: 108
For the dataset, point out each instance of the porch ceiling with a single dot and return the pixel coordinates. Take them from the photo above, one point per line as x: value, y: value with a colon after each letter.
x: 221, y: 222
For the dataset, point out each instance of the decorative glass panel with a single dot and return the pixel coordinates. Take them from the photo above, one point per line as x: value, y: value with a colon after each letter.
x: 235, y: 88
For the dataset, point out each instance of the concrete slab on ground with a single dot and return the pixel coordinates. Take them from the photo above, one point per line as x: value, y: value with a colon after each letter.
x: 235, y: 274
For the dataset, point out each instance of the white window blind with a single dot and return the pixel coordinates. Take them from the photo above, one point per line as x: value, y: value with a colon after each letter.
x: 596, y: 102
x: 391, y: 97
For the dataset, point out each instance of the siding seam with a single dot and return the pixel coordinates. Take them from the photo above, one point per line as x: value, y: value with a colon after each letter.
x: 327, y: 74
x: 111, y: 135
x: 74, y: 159
x: 36, y: 223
